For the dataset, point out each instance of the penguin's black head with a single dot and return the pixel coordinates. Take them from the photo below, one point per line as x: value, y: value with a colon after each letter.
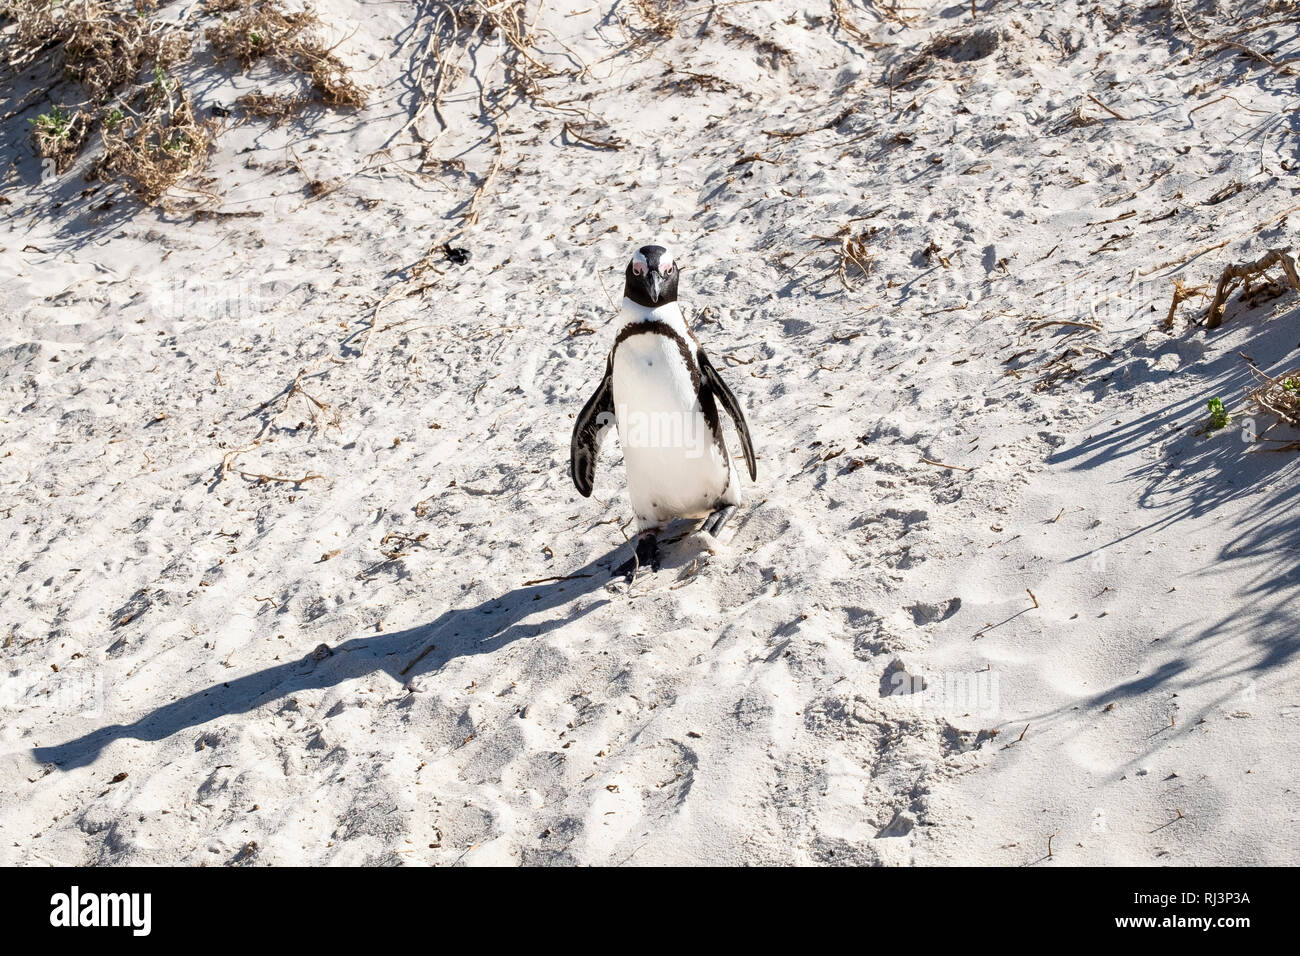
x: 651, y: 277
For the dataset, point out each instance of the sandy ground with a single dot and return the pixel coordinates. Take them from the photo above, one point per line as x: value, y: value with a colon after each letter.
x: 995, y: 582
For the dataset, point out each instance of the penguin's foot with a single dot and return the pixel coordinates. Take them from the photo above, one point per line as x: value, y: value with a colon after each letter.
x: 715, y: 522
x: 647, y: 555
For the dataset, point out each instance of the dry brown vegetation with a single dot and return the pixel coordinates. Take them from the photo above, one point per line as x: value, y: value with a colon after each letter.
x: 1242, y: 274
x: 59, y: 135
x: 659, y: 17
x: 103, y: 48
x: 155, y: 147
x: 276, y: 108
x: 115, y: 63
x: 290, y: 39
x: 852, y: 249
x: 101, y: 45
x: 1278, y: 396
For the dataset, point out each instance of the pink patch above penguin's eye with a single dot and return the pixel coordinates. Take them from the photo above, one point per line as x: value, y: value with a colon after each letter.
x: 638, y: 268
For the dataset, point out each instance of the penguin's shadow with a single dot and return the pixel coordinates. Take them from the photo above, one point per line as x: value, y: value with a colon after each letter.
x: 402, y: 655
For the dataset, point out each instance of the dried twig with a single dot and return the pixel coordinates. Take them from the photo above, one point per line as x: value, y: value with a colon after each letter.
x: 419, y: 657
x: 886, y: 11
x: 558, y: 577
x: 1069, y: 322
x: 611, y: 144
x: 472, y: 211
x: 323, y: 415
x: 1181, y: 291
x: 940, y: 464
x: 1278, y: 395
x: 263, y: 478
x: 795, y: 134
x: 1117, y: 116
x: 1234, y: 275
x: 1282, y: 66
x: 852, y: 251
x: 1185, y: 259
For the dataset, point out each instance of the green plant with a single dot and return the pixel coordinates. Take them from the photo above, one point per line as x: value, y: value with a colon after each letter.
x: 176, y: 141
x: 1219, y: 416
x: 1292, y: 385
x: 55, y: 124
x: 160, y: 79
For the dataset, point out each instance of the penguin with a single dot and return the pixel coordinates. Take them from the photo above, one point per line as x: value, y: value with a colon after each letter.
x: 663, y: 394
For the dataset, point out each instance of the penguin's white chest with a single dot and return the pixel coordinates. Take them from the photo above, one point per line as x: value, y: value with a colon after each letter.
x: 675, y: 468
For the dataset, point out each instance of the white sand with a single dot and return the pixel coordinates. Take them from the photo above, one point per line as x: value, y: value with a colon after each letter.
x: 739, y: 706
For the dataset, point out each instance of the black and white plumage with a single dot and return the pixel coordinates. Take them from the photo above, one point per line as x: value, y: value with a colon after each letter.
x: 664, y: 395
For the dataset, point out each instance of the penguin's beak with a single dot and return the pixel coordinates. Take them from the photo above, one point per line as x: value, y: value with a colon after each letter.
x: 656, y: 282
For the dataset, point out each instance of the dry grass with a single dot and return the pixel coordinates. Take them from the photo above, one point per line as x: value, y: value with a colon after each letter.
x: 60, y: 134
x: 773, y: 55
x: 661, y: 19
x: 35, y: 27
x: 1285, y: 67
x: 104, y: 48
x: 690, y: 83
x: 324, y: 416
x: 122, y: 60
x: 852, y: 250
x: 491, y: 33
x: 892, y: 10
x: 853, y: 254
x: 842, y: 20
x: 101, y: 45
x: 278, y: 108
x: 155, y: 145
x: 291, y: 40
x: 149, y: 133
x: 508, y: 20
x: 1279, y: 397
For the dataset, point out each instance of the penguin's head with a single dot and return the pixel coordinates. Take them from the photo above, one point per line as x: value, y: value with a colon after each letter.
x: 651, y: 277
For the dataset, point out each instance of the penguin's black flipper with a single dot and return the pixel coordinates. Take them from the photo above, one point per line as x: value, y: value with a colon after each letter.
x: 589, y: 428
x: 710, y: 376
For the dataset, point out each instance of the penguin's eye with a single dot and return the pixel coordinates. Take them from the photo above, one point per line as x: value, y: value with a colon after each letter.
x: 638, y: 268
x: 667, y: 269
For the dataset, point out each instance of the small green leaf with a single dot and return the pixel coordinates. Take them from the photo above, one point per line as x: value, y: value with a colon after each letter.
x: 1219, y: 416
